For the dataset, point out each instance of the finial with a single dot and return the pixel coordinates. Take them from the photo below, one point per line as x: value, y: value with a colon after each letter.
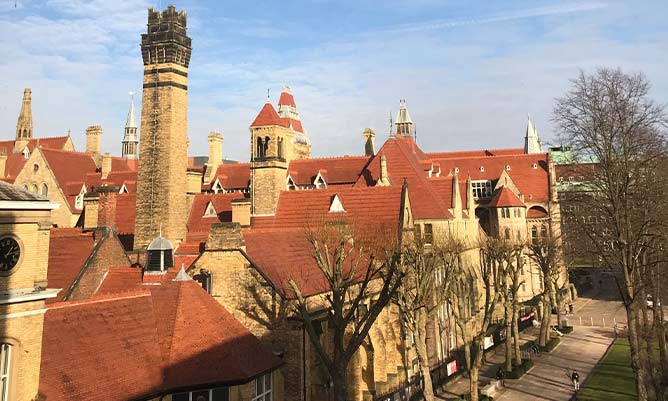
x: 132, y: 95
x: 267, y: 94
x: 528, y: 116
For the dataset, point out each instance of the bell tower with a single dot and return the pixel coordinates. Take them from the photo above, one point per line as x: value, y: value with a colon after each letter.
x: 163, y: 156
x: 130, y: 149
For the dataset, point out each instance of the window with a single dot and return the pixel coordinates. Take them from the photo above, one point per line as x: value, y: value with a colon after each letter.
x: 507, y: 233
x: 210, y: 211
x: 534, y: 235
x: 259, y: 150
x: 34, y: 188
x: 214, y: 394
x: 263, y: 388
x: 428, y: 234
x: 280, y: 148
x: 482, y: 189
x: 5, y: 366
x: 45, y: 190
x: 543, y: 231
x: 35, y: 167
x: 505, y: 213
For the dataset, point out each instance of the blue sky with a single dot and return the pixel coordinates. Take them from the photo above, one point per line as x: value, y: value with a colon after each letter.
x: 470, y: 71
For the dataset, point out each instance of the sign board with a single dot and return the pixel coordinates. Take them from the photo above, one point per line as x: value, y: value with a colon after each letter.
x: 451, y: 368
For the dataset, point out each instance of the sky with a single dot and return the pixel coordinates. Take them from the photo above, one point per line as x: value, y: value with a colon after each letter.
x: 470, y: 71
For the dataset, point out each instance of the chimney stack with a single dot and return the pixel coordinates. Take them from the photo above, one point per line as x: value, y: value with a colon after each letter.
x: 369, y: 137
x: 106, y: 165
x: 215, y: 155
x: 93, y: 137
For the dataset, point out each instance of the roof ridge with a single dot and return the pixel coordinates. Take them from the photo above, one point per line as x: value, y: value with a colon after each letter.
x: 99, y: 298
x: 334, y: 158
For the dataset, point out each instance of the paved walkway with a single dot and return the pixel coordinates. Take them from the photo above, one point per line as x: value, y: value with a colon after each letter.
x: 549, y: 379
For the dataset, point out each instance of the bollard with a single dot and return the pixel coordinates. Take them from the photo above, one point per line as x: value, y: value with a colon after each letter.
x: 603, y: 321
x: 614, y: 321
x: 592, y: 321
x: 580, y: 320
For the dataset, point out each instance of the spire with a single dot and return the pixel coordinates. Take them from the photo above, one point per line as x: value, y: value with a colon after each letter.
x: 130, y: 144
x: 383, y: 178
x: 130, y: 122
x: 403, y: 122
x: 531, y: 140
x: 24, y: 124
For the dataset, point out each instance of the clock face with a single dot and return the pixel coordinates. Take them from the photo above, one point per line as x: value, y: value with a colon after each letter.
x: 10, y: 251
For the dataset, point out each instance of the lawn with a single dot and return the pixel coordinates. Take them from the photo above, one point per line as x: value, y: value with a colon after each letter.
x: 612, y: 379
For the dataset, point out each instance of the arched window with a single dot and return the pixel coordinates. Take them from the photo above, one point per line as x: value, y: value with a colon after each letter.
x: 26, y: 188
x: 507, y: 233
x: 534, y: 234
x: 5, y: 370
x: 45, y: 190
x: 543, y: 231
x: 259, y: 151
x: 266, y: 146
x: 34, y: 188
x: 280, y: 148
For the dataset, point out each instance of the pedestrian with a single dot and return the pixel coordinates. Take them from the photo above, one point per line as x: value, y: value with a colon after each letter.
x: 500, y: 377
x: 570, y: 307
x: 575, y: 377
x: 616, y: 331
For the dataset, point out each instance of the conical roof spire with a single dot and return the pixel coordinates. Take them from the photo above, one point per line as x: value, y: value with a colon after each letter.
x: 532, y: 140
x: 24, y: 124
x: 403, y: 122
x: 131, y: 122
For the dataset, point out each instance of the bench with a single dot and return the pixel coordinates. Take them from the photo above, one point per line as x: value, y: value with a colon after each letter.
x: 489, y: 390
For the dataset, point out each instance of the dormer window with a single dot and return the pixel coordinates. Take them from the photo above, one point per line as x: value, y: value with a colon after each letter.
x: 482, y: 189
x: 210, y: 211
x: 26, y: 153
x: 123, y: 190
x: 290, y: 184
x: 217, y: 187
x: 336, y: 206
x: 160, y: 255
x: 319, y: 181
x: 78, y: 201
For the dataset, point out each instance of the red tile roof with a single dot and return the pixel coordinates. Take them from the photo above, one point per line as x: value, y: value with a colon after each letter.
x: 268, y: 116
x: 339, y: 170
x: 54, y: 142
x: 374, y: 205
x: 404, y: 162
x: 70, y: 170
x: 167, y: 337
x: 286, y: 99
x: 476, y: 153
x: 532, y: 182
x: 125, y: 213
x: 292, y: 123
x: 69, y: 248
x: 13, y: 166
x: 231, y: 176
x: 536, y: 212
x: 505, y: 197
x: 198, y: 225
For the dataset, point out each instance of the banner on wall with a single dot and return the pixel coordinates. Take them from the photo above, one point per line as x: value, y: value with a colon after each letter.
x: 451, y: 368
x: 489, y: 342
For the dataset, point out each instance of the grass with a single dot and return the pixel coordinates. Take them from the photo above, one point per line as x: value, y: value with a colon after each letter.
x: 612, y: 379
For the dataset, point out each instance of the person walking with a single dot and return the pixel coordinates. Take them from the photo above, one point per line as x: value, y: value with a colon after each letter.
x: 575, y: 377
x: 500, y: 377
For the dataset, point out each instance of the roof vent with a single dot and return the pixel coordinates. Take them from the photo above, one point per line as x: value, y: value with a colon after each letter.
x: 336, y: 206
x: 160, y: 255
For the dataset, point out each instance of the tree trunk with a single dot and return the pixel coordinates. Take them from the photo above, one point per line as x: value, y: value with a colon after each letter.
x: 340, y: 385
x: 516, y: 336
x: 546, y: 318
x: 509, y: 335
x: 423, y: 358
x: 638, y: 369
x: 646, y: 351
x: 473, y: 387
x: 559, y: 311
x: 660, y: 332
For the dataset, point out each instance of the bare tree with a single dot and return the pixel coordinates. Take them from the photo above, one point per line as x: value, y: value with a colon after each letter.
x: 546, y: 253
x: 608, y: 117
x: 361, y: 278
x: 428, y: 274
x: 473, y: 298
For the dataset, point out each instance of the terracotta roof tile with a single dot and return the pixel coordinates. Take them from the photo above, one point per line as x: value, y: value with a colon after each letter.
x: 70, y: 170
x: 286, y: 99
x: 268, y: 116
x: 231, y: 176
x: 476, y: 153
x: 148, y: 342
x: 505, y: 197
x: 69, y: 248
x: 125, y: 213
x: 340, y: 170
x: 222, y: 203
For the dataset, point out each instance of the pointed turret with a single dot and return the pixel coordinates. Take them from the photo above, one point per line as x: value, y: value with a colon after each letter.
x: 286, y: 105
x: 531, y: 140
x: 383, y: 178
x: 369, y: 137
x: 24, y: 124
x: 130, y: 141
x: 456, y: 197
x: 403, y: 122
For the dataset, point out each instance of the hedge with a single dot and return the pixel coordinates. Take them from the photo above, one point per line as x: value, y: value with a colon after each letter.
x: 550, y: 344
x: 518, y: 371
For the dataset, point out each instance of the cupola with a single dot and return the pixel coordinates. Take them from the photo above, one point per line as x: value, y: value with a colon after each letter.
x: 160, y: 255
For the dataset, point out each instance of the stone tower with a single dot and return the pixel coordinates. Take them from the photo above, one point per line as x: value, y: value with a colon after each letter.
x: 130, y: 141
x: 532, y: 140
x: 271, y: 150
x: 163, y: 156
x: 24, y: 124
x: 403, y: 122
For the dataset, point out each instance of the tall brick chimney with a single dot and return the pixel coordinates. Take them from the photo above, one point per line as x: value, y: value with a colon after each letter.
x: 93, y: 137
x: 215, y: 155
x: 106, y: 165
x: 107, y: 206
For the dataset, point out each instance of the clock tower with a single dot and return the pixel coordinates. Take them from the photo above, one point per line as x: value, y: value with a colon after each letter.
x: 25, y: 222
